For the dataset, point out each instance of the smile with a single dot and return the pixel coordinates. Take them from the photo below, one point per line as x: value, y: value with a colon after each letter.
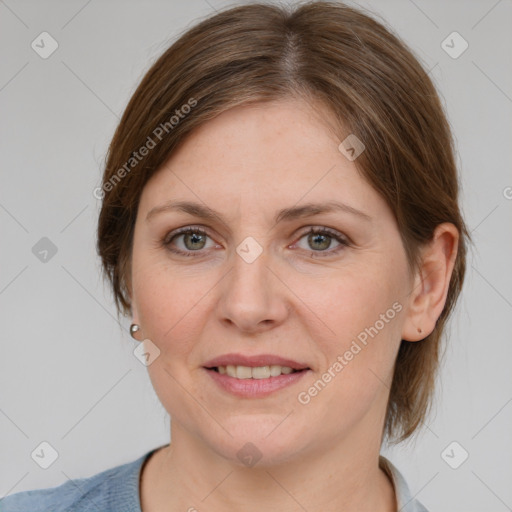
x: 258, y: 384
x: 256, y: 372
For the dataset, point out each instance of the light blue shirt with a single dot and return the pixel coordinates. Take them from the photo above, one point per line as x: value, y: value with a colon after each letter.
x: 117, y: 490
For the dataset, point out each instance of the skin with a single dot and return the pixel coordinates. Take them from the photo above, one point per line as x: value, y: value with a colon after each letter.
x: 294, y: 300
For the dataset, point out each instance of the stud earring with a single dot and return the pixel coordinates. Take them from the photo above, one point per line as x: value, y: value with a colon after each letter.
x: 134, y: 328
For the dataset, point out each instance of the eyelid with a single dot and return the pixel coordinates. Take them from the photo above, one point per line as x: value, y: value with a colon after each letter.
x: 324, y: 229
x: 204, y: 230
x: 185, y: 229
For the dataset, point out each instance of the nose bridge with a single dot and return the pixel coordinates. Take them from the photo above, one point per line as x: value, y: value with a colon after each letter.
x: 249, y: 278
x: 249, y: 296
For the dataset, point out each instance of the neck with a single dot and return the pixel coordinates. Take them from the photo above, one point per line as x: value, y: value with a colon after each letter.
x: 345, y: 476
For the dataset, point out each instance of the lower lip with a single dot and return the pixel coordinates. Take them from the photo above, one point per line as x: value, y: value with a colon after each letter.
x: 255, y: 388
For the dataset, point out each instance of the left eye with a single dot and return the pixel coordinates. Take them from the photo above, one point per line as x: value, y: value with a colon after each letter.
x: 319, y: 240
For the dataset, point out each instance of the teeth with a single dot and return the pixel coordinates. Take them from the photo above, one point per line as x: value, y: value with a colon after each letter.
x: 257, y: 372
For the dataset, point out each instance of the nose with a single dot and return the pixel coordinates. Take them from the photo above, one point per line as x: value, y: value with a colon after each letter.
x: 253, y: 298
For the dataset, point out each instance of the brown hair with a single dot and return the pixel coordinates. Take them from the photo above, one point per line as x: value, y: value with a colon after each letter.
x: 367, y: 78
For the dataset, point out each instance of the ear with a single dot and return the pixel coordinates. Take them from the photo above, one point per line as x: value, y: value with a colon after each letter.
x: 126, y: 276
x: 133, y: 305
x: 431, y: 282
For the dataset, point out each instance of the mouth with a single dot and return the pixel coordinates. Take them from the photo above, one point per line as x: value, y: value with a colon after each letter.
x: 254, y: 372
x: 261, y: 366
x: 254, y: 376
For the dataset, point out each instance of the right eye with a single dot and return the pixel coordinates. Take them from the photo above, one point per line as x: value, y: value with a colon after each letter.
x: 193, y: 240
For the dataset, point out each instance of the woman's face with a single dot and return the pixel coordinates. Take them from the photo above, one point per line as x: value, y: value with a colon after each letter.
x: 253, y: 281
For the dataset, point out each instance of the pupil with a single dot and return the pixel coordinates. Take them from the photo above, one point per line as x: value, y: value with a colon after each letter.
x: 315, y: 236
x: 195, y: 239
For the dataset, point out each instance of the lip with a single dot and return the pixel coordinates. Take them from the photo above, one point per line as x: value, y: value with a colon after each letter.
x: 255, y: 388
x: 254, y: 361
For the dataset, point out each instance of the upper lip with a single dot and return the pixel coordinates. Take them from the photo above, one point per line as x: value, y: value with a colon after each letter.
x: 253, y: 361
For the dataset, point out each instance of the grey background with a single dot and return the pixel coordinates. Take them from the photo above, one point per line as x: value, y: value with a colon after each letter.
x: 67, y: 372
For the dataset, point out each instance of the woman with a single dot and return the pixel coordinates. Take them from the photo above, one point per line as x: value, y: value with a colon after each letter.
x: 280, y: 219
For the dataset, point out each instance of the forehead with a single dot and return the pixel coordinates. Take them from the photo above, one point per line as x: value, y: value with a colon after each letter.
x: 272, y: 154
x: 261, y: 136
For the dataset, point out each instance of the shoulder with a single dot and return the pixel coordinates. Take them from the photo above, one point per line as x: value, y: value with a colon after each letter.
x: 405, y: 502
x: 114, y: 489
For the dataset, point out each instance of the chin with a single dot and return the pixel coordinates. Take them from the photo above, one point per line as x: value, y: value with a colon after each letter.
x: 258, y: 443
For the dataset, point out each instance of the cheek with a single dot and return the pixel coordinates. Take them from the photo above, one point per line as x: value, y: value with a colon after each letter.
x: 169, y: 303
x: 352, y: 300
x: 362, y: 312
x: 172, y: 315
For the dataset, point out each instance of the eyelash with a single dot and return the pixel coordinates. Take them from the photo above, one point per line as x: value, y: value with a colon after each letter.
x: 317, y: 231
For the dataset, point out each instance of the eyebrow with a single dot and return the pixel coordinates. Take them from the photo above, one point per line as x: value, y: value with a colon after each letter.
x: 287, y: 214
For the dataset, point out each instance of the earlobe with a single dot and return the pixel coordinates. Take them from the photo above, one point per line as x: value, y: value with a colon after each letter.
x: 135, y: 328
x: 432, y: 280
